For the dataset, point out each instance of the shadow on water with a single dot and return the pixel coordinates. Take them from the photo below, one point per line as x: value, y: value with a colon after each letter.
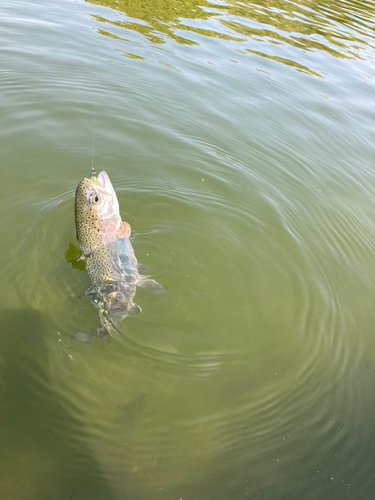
x: 43, y: 454
x: 72, y: 255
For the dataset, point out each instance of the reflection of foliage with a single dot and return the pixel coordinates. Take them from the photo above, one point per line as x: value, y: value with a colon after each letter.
x: 338, y: 28
x: 72, y: 255
x: 164, y: 11
x: 160, y: 18
x: 288, y: 62
x: 309, y: 24
x: 157, y: 17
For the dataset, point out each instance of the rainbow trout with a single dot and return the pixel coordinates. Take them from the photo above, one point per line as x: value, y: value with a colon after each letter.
x: 108, y: 255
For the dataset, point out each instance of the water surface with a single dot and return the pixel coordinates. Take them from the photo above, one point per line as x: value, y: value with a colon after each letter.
x: 240, y: 140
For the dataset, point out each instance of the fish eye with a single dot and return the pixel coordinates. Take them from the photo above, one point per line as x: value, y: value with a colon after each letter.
x: 94, y: 199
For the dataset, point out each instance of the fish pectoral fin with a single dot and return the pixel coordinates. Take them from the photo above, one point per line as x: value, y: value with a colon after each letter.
x: 91, y: 290
x: 124, y: 231
x: 85, y: 252
x: 148, y: 283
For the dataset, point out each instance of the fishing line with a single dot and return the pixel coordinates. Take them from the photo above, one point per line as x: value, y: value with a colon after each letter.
x: 94, y: 131
x: 93, y: 138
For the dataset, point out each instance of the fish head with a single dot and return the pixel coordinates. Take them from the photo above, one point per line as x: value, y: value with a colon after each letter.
x: 97, y: 205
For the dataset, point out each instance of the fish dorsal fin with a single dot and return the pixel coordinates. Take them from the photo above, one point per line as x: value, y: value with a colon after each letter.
x: 124, y: 231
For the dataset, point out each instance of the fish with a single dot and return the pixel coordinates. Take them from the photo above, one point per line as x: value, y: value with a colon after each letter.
x: 108, y: 255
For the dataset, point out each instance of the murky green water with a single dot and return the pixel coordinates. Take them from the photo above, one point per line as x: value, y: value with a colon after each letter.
x: 240, y: 139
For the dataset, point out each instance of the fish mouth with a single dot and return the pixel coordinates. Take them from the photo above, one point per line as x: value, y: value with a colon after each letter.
x: 106, y: 184
x: 106, y: 188
x: 103, y: 185
x: 104, y: 180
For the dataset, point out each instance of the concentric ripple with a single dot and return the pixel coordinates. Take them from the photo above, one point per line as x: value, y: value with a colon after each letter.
x: 239, y: 138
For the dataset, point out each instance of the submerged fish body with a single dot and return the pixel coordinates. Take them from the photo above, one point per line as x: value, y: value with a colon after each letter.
x: 107, y: 253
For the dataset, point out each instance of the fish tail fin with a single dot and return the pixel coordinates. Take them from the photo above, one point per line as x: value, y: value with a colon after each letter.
x: 115, y: 327
x: 107, y: 322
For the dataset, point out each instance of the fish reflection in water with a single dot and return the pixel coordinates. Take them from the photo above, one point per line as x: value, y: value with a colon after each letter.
x: 107, y: 254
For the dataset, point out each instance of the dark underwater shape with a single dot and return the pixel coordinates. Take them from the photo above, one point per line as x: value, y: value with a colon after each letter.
x: 41, y: 454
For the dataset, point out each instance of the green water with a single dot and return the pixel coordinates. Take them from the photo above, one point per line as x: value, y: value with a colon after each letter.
x: 240, y: 140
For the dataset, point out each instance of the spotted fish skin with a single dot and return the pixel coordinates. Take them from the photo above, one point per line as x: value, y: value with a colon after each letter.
x: 107, y: 252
